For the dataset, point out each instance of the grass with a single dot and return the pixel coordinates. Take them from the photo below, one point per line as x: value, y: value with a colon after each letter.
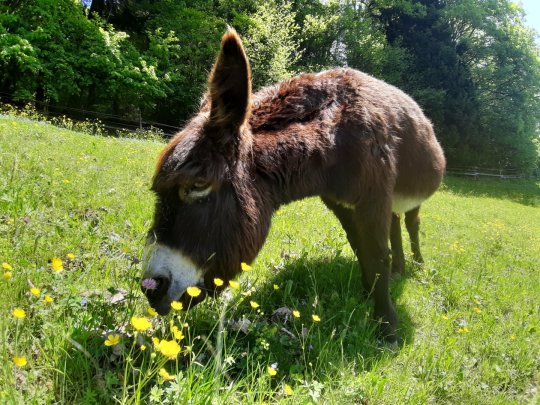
x: 469, y: 316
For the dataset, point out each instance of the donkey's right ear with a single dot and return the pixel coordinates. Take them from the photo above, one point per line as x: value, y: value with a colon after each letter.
x: 230, y: 84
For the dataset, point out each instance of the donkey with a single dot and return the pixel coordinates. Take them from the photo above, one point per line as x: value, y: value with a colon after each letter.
x: 362, y: 145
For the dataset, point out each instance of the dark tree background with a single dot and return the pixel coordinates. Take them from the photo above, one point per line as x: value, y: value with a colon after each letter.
x: 472, y: 65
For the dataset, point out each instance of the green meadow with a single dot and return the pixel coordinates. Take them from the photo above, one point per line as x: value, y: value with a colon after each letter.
x: 74, y: 212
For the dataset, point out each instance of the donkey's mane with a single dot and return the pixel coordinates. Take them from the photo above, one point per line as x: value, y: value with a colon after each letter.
x: 299, y: 99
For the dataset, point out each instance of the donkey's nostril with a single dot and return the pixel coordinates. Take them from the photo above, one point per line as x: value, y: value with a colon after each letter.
x: 155, y: 288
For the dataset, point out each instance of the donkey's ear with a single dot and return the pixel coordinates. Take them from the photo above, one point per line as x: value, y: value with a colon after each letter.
x: 230, y: 84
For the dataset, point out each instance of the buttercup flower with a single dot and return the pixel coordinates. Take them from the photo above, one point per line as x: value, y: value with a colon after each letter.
x: 7, y: 266
x: 254, y: 305
x: 463, y: 330
x: 316, y: 318
x: 194, y: 291
x: 19, y: 313
x: 477, y: 310
x: 140, y: 323
x: 218, y: 282
x: 143, y: 348
x: 7, y: 275
x: 177, y: 306
x: 288, y: 390
x: 178, y: 335
x: 35, y: 291
x: 168, y: 348
x: 271, y: 371
x: 112, y: 340
x: 165, y: 375
x: 70, y: 256
x: 57, y: 265
x: 296, y: 313
x: 245, y: 267
x: 276, y: 287
x: 234, y: 284
x: 20, y: 361
x: 48, y: 299
x: 151, y: 311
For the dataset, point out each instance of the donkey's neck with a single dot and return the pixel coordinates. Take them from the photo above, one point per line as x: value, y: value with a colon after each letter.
x: 290, y: 164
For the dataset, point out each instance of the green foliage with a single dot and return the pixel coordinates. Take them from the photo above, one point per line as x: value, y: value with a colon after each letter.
x: 469, y: 316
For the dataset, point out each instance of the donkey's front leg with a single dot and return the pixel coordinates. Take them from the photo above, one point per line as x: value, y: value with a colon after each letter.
x: 374, y: 257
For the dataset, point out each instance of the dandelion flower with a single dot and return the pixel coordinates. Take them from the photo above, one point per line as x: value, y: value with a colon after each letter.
x: 288, y: 390
x: 477, y: 310
x: 70, y: 256
x: 35, y: 291
x: 194, y: 291
x: 254, y: 305
x: 7, y: 266
x: 316, y: 318
x: 20, y: 361
x: 177, y: 306
x: 57, y: 265
x: 19, y: 313
x: 8, y: 275
x: 245, y: 267
x: 296, y: 313
x: 112, y: 340
x: 140, y: 323
x: 48, y: 299
x: 165, y: 375
x: 149, y: 284
x: 271, y: 371
x: 151, y: 311
x: 218, y: 282
x: 276, y: 287
x: 234, y: 284
x: 169, y: 348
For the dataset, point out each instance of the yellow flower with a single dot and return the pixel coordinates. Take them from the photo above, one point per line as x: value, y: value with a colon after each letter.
x: 178, y: 335
x: 463, y: 330
x: 245, y: 267
x: 234, y: 284
x: 112, y: 340
x: 445, y: 317
x: 169, y: 348
x: 140, y: 323
x: 477, y: 310
x: 20, y: 361
x: 143, y: 348
x: 7, y: 266
x: 155, y: 341
x: 271, y: 371
x: 316, y: 318
x: 218, y: 282
x: 70, y: 256
x: 296, y: 313
x: 8, y: 274
x: 165, y: 375
x: 254, y: 305
x: 35, y: 291
x: 48, y: 299
x: 151, y: 311
x: 177, y: 306
x: 194, y: 291
x: 19, y: 313
x: 288, y: 390
x: 276, y: 287
x: 57, y: 265
x: 513, y: 337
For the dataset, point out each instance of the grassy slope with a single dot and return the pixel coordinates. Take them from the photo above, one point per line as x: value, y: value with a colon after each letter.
x: 470, y: 316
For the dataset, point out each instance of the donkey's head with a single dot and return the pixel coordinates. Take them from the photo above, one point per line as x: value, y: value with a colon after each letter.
x: 207, y: 219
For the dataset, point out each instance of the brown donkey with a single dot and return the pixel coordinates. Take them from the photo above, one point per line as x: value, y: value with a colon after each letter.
x: 362, y: 145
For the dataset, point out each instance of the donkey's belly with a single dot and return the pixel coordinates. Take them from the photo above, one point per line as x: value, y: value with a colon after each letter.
x: 403, y: 203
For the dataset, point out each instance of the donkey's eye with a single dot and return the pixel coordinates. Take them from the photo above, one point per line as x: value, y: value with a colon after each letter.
x: 195, y: 191
x: 200, y: 185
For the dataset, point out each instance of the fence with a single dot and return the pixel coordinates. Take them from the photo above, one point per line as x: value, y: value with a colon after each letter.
x: 477, y: 173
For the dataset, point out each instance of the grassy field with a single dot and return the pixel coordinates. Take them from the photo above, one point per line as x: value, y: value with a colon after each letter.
x: 469, y: 317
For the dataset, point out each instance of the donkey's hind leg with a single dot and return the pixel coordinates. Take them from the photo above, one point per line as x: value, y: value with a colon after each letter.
x: 398, y: 258
x: 412, y: 222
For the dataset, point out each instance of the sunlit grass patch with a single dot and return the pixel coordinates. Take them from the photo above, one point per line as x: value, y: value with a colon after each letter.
x: 293, y: 328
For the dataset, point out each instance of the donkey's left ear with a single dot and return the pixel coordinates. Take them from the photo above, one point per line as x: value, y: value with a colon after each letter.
x: 230, y: 84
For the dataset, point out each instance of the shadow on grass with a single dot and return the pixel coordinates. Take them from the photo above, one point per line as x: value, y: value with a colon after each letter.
x: 525, y: 192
